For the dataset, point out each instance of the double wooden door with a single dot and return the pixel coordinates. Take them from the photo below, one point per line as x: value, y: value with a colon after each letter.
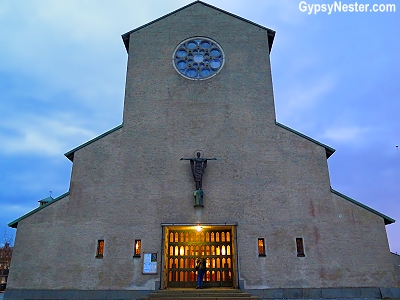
x: 186, y: 245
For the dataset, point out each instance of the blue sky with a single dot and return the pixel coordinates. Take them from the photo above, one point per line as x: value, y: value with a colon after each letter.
x: 62, y: 75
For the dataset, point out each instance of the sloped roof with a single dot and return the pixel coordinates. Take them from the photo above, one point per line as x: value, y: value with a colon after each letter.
x: 329, y: 151
x: 14, y: 223
x: 70, y: 154
x: 385, y: 218
x: 271, y: 33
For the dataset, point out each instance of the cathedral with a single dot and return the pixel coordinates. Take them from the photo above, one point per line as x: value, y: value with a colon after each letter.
x: 200, y: 168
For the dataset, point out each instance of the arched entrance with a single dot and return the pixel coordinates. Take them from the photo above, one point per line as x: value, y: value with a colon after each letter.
x: 183, y: 244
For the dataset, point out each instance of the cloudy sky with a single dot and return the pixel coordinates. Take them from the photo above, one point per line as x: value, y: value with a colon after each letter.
x: 62, y: 75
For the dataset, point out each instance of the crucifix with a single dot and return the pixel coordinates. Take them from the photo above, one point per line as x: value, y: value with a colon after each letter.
x: 198, y: 165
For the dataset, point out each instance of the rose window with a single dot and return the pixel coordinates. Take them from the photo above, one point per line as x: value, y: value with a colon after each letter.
x: 198, y: 58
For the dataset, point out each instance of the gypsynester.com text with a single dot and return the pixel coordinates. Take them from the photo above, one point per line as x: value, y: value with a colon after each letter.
x: 338, y: 6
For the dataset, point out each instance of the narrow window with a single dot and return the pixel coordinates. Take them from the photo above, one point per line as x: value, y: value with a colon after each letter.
x: 261, y: 247
x: 138, y: 248
x: 100, y: 249
x: 300, y: 247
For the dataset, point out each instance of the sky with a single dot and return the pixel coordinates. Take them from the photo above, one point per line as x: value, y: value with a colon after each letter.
x: 62, y: 76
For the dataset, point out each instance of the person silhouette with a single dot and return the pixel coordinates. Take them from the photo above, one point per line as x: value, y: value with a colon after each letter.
x: 201, y: 271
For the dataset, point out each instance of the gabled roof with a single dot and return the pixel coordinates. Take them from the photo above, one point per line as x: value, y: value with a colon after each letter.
x: 385, y: 218
x: 70, y: 154
x: 329, y: 151
x: 14, y: 223
x: 271, y: 33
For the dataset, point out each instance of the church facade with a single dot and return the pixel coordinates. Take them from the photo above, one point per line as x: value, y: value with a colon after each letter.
x: 200, y: 168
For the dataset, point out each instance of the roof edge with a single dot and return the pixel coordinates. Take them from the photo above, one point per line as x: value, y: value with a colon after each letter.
x: 271, y: 33
x: 14, y: 224
x: 329, y: 151
x: 70, y: 154
x: 387, y: 219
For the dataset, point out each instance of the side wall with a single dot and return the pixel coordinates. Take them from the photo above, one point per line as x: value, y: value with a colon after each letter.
x: 39, y: 245
x: 345, y: 244
x: 396, y: 265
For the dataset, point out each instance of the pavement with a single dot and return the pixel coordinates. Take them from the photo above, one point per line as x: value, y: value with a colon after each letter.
x: 2, y: 296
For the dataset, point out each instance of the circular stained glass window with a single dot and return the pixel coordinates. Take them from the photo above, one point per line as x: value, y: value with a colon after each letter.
x: 198, y: 58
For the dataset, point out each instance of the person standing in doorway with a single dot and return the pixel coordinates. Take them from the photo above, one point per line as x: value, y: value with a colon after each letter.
x: 201, y: 271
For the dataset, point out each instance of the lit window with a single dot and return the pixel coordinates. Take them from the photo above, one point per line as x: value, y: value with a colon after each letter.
x: 300, y: 247
x: 100, y: 249
x: 261, y: 247
x: 138, y: 248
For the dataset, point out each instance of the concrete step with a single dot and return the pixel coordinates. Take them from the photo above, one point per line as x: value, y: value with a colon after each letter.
x: 200, y: 294
x: 202, y: 298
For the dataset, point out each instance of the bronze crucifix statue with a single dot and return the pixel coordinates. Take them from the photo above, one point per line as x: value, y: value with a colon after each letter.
x: 198, y: 165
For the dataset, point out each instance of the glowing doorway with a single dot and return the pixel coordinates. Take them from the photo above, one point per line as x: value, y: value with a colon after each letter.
x: 184, y: 244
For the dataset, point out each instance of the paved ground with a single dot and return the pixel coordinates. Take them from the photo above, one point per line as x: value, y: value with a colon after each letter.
x: 2, y: 295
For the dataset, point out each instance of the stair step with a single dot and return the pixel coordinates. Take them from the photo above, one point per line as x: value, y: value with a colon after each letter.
x: 202, y: 298
x: 196, y: 297
x: 201, y: 294
x: 205, y: 294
